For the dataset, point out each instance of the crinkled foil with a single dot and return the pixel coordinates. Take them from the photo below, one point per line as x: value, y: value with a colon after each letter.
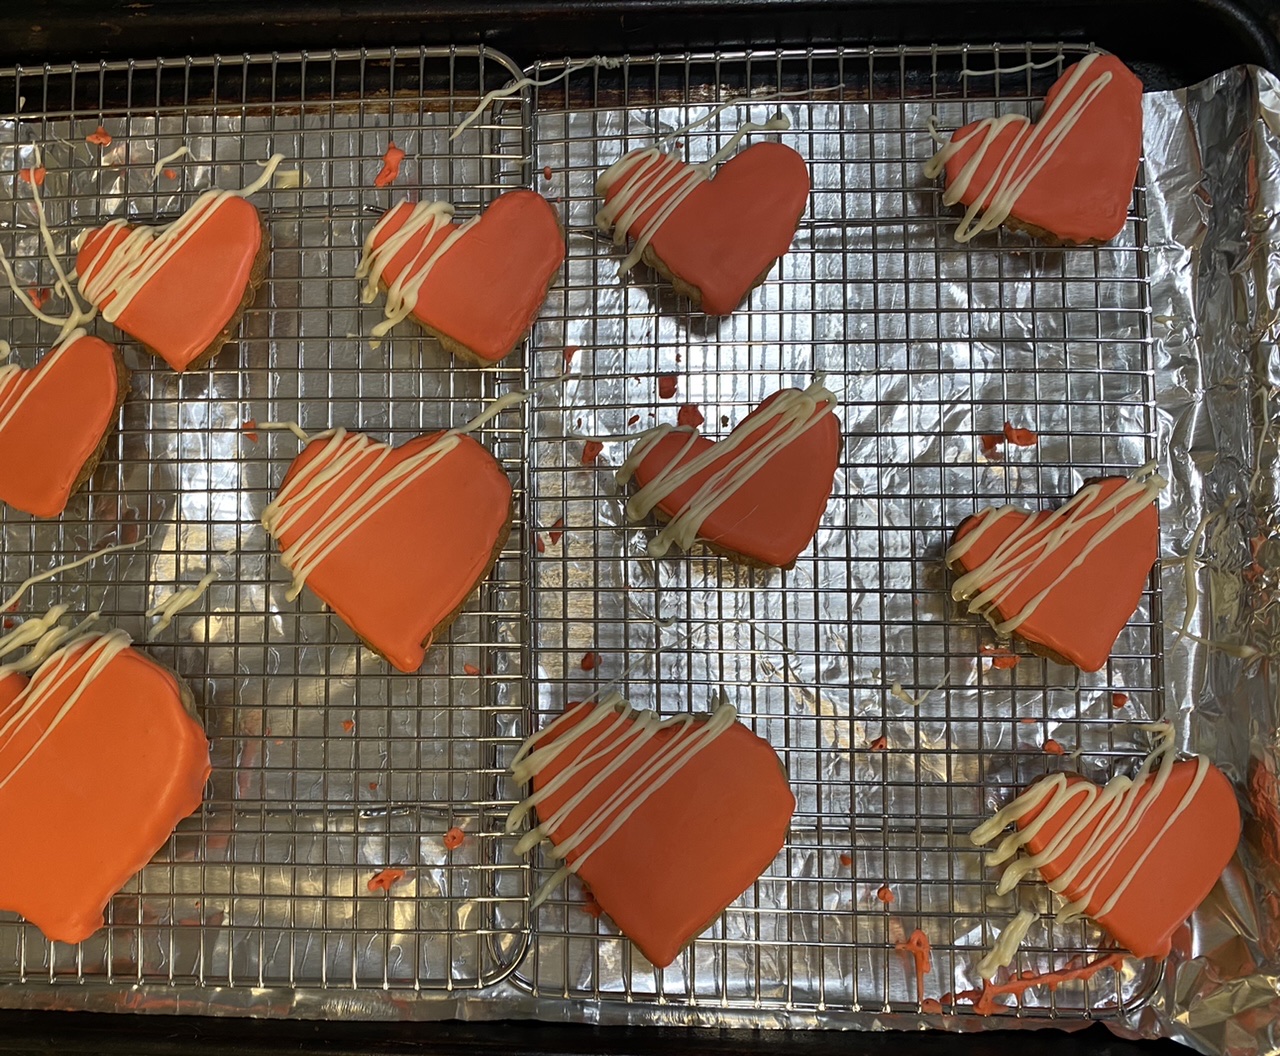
x: 1160, y: 345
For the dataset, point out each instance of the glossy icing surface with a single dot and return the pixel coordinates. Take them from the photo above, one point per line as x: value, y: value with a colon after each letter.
x: 730, y: 228
x: 195, y: 291
x: 775, y: 511
x: 1071, y: 593
x: 92, y: 785
x: 687, y: 850
x: 52, y: 418
x: 412, y: 560
x: 1084, y: 185
x: 484, y: 292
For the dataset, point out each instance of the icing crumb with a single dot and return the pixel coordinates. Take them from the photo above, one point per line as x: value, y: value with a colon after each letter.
x: 453, y: 839
x: 390, y: 166
x: 880, y: 744
x: 1052, y: 747
x: 557, y: 531
x: 569, y: 352
x: 590, y: 451
x: 667, y: 385
x: 35, y: 175
x: 99, y: 137
x: 383, y: 880
x: 1119, y: 700
x: 633, y: 419
x: 348, y: 725
x: 1020, y: 437
x: 250, y: 430
x: 590, y: 661
x: 546, y: 172
x: 689, y: 415
x: 846, y: 859
x: 885, y: 894
x: 470, y: 669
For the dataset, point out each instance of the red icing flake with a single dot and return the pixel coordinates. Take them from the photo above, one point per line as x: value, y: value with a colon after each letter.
x: 991, y: 444
x: 1052, y: 747
x: 591, y: 907
x: 35, y: 176
x: 250, y: 430
x: 590, y: 661
x: 39, y: 296
x: 885, y: 894
x: 1002, y: 659
x: 667, y: 385
x: 1019, y: 437
x: 880, y: 744
x: 689, y: 415
x: 348, y: 725
x: 539, y: 545
x: 170, y: 174
x: 454, y: 838
x: 557, y: 531
x: 846, y: 859
x: 100, y: 137
x: 1119, y: 700
x: 9, y: 623
x: 633, y: 419
x: 590, y: 451
x: 917, y: 944
x: 382, y: 881
x: 569, y: 352
x: 390, y: 166
x: 470, y: 669
x: 546, y: 172
x: 373, y: 786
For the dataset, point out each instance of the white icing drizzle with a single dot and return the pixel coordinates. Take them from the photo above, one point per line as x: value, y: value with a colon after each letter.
x: 6, y: 349
x: 356, y: 463
x: 76, y: 664
x: 40, y: 577
x: 752, y: 445
x: 1117, y: 809
x: 158, y: 167
x: 1034, y: 144
x: 1033, y: 542
x: 178, y: 601
x: 896, y: 690
x: 511, y: 87
x: 13, y: 394
x: 1007, y: 944
x: 290, y: 427
x: 125, y: 270
x: 609, y: 725
x: 292, y: 179
x: 43, y: 634
x: 649, y: 174
x: 426, y: 219
x: 1010, y: 69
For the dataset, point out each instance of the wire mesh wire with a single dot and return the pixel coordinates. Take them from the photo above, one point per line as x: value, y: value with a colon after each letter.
x: 328, y: 767
x: 930, y: 345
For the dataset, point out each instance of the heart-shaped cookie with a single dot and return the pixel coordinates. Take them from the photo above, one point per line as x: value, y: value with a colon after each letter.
x: 1137, y: 856
x: 1069, y: 176
x: 179, y: 289
x: 392, y: 539
x: 54, y: 421
x: 475, y: 286
x: 667, y: 821
x: 717, y: 237
x: 1065, y: 580
x: 757, y: 495
x: 99, y: 761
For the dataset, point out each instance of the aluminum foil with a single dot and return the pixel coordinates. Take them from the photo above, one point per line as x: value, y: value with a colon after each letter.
x: 1160, y: 346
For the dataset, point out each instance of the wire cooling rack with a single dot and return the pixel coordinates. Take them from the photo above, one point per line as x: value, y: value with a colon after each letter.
x: 929, y: 344
x: 328, y: 767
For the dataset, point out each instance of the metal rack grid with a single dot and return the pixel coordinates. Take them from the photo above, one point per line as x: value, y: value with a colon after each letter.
x: 930, y: 344
x: 327, y: 767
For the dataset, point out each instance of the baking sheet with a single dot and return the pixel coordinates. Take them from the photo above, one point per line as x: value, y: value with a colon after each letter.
x: 1160, y: 344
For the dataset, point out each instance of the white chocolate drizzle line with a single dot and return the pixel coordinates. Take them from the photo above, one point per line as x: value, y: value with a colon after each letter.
x: 158, y: 167
x: 283, y: 427
x: 40, y: 577
x: 646, y: 176
x: 122, y: 271
x: 75, y: 665
x: 511, y: 87
x: 609, y: 725
x: 1007, y: 944
x: 425, y: 220
x: 997, y: 71
x: 1035, y: 541
x: 178, y: 601
x: 1116, y: 811
x: 16, y: 385
x: 355, y: 463
x: 1029, y: 151
x: 43, y: 635
x: 752, y: 445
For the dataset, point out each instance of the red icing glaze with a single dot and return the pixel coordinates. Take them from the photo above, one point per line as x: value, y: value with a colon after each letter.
x: 692, y: 847
x: 689, y: 416
x: 70, y: 404
x: 557, y: 531
x: 1052, y: 747
x: 1084, y: 190
x: 454, y: 838
x: 880, y: 744
x: 775, y: 515
x: 35, y: 176
x: 667, y: 384
x: 102, y: 793
x: 1119, y: 700
x: 470, y: 669
x: 193, y: 297
x: 1020, y: 437
x: 733, y: 227
x: 846, y: 859
x: 348, y: 725
x: 391, y: 160
x: 1177, y: 875
x: 100, y: 137
x: 415, y: 560
x: 383, y: 881
x: 1081, y: 619
x: 39, y: 296
x: 486, y: 290
x: 984, y: 1000
x: 591, y: 451
x: 917, y: 945
x: 885, y: 894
